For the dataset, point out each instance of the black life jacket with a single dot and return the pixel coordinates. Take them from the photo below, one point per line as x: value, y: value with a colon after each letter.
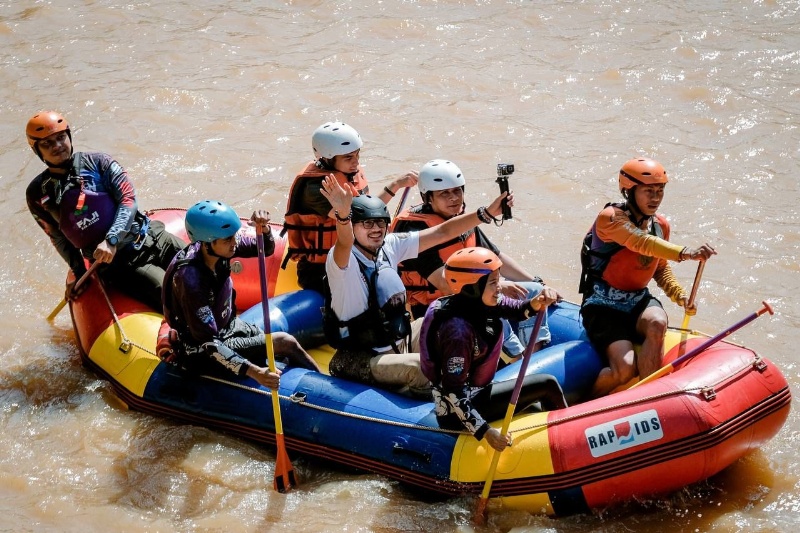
x: 377, y: 326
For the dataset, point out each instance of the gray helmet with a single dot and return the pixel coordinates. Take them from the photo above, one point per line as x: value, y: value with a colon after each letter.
x: 367, y: 207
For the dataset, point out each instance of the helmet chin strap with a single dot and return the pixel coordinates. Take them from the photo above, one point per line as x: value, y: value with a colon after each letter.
x: 327, y: 164
x: 475, y: 290
x: 638, y: 215
x: 66, y: 165
x: 210, y: 250
x: 62, y: 166
x: 367, y: 250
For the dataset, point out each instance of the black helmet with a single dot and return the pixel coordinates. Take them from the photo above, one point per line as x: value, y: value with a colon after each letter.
x: 366, y: 207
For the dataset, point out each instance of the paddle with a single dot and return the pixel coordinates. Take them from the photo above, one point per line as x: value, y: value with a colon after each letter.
x: 686, y: 316
x: 284, y: 471
x: 402, y: 202
x: 480, y: 515
x: 57, y: 309
x: 664, y: 370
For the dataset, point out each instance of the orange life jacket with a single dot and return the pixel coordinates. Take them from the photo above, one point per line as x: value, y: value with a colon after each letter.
x: 419, y: 291
x: 311, y: 235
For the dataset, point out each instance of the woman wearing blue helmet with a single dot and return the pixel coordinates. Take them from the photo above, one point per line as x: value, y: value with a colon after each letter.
x: 199, y: 300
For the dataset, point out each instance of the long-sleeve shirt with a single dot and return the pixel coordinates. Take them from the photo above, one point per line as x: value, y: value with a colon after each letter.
x: 202, y: 302
x: 96, y: 172
x: 462, y: 342
x: 613, y: 225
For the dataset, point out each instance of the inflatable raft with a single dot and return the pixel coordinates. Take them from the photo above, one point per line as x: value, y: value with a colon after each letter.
x: 642, y: 442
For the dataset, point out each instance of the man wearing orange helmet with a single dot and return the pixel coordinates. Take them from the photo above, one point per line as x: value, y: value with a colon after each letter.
x: 86, y: 204
x: 627, y: 246
x: 460, y: 344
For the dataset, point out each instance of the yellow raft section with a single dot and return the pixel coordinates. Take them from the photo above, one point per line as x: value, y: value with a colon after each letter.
x: 127, y: 351
x: 530, y: 455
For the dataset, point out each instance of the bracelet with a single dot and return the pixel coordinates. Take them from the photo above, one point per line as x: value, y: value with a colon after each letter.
x: 343, y: 220
x: 389, y: 191
x: 681, y: 256
x: 484, y: 216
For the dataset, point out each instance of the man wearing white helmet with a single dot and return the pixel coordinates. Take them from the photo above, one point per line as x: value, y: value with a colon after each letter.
x: 441, y: 186
x: 309, y: 221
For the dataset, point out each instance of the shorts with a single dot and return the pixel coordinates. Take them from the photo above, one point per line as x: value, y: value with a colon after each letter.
x: 605, y: 325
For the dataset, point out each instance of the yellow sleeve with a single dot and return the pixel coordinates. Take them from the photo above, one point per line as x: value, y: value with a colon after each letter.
x: 614, y: 225
x: 668, y: 283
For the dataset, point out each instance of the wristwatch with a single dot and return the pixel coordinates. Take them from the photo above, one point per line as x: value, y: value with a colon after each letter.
x: 113, y: 240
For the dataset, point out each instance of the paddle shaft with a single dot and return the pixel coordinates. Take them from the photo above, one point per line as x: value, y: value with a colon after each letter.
x: 701, y: 265
x: 402, y: 202
x: 284, y: 472
x: 512, y: 405
x: 707, y: 344
x: 78, y: 283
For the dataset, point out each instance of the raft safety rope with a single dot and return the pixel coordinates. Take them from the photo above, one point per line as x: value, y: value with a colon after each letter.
x: 708, y: 391
x: 126, y: 345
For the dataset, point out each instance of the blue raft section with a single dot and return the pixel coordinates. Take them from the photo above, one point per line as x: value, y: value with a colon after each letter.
x: 351, y: 423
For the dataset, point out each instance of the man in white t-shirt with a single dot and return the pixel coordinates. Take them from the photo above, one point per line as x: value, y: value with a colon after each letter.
x: 368, y: 298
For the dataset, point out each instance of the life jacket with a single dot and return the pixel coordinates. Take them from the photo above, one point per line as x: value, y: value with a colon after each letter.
x: 311, y: 235
x: 489, y: 328
x: 224, y: 295
x: 615, y: 264
x: 377, y: 326
x: 85, y: 216
x: 420, y: 291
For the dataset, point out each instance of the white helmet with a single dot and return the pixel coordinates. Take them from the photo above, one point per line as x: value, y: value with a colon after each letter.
x: 335, y: 138
x: 438, y: 175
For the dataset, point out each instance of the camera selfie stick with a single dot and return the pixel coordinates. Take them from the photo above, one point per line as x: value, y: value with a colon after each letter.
x: 503, y: 172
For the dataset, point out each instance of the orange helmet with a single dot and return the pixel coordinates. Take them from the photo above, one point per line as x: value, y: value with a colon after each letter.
x: 641, y: 171
x: 42, y: 125
x: 468, y: 266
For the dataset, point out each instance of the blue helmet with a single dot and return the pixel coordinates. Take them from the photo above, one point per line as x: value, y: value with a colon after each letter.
x: 210, y: 220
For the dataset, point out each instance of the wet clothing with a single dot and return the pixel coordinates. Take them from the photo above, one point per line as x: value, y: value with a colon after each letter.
x: 350, y: 298
x: 460, y: 346
x: 311, y: 232
x: 620, y: 256
x: 200, y: 304
x: 95, y: 201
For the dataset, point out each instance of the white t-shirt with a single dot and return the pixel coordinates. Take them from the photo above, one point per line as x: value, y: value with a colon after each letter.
x: 349, y: 289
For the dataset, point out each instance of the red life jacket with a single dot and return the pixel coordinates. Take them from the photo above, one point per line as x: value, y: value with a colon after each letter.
x: 311, y: 235
x: 418, y: 289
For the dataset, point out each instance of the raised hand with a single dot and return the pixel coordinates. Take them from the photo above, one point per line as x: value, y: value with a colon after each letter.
x: 340, y: 198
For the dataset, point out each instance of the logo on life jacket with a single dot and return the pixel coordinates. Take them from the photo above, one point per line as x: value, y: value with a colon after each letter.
x: 85, y: 222
x: 624, y: 433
